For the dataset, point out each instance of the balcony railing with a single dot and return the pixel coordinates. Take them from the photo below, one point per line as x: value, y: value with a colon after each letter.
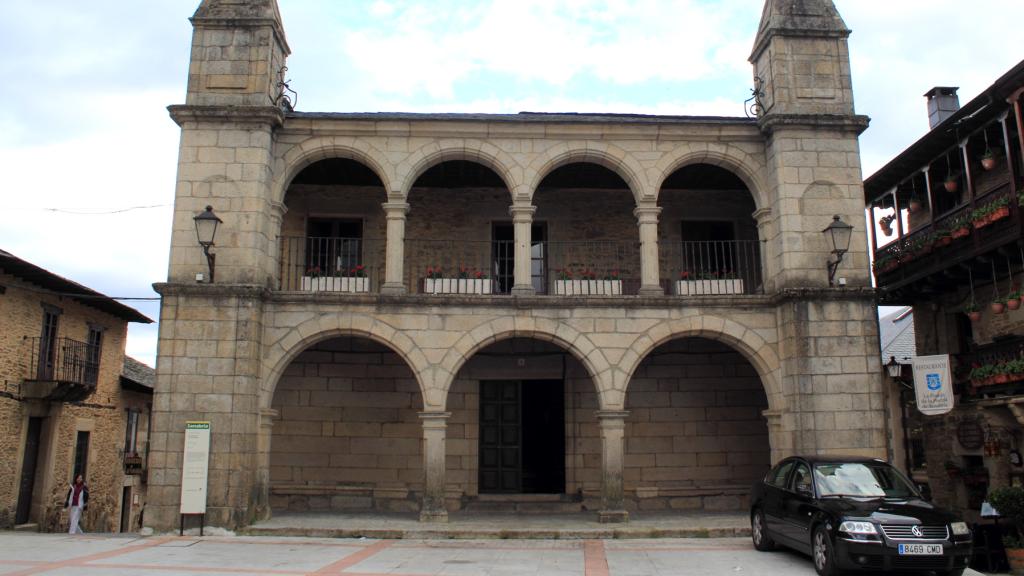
x: 557, y: 268
x: 320, y: 264
x: 61, y: 369
x: 713, y: 267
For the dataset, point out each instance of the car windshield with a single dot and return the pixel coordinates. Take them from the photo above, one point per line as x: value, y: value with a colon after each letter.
x: 861, y: 480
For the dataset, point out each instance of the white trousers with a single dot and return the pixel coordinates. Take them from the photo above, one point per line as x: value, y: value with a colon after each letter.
x: 74, y: 516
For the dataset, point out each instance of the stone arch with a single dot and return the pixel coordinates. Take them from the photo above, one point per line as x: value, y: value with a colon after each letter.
x: 485, y: 153
x: 611, y: 157
x: 745, y: 166
x: 569, y: 339
x: 748, y: 343
x: 323, y: 327
x: 302, y: 154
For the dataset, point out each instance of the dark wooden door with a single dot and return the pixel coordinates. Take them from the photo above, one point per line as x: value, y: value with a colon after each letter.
x: 501, y: 459
x: 28, y: 470
x: 126, y: 509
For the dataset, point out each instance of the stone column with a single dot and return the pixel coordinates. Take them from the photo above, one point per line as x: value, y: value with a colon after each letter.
x: 522, y: 219
x: 435, y: 426
x: 647, y: 220
x: 395, y: 258
x: 613, y: 428
x: 261, y: 494
x: 277, y: 212
x: 763, y: 217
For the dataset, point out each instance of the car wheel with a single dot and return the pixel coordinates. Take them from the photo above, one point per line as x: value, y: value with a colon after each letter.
x: 759, y: 533
x: 822, y: 553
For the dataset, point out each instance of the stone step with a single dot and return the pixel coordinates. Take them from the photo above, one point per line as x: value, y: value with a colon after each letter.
x: 524, y: 504
x: 31, y: 527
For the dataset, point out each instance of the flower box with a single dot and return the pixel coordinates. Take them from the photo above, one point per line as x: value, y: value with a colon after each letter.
x: 335, y: 284
x: 709, y: 287
x: 587, y: 288
x: 458, y: 285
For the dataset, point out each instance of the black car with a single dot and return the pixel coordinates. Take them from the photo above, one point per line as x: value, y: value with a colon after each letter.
x: 855, y: 514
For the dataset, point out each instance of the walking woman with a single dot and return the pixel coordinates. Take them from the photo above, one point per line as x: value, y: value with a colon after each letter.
x: 77, y: 500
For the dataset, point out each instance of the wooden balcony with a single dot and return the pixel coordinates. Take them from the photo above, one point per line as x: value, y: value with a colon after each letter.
x: 62, y: 370
x: 962, y: 244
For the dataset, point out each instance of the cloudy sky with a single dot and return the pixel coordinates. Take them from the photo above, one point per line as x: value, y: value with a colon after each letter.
x: 88, y: 152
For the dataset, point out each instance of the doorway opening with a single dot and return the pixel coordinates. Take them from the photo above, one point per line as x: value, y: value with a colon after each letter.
x: 522, y: 437
x: 28, y: 470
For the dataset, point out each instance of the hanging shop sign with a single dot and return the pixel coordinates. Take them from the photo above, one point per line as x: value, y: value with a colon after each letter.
x: 933, y: 384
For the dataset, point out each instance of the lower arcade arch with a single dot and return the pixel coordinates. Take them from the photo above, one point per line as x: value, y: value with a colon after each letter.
x: 346, y: 432
x: 695, y: 436
x: 522, y: 423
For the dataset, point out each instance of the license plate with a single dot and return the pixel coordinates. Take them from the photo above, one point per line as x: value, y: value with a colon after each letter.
x: 921, y: 549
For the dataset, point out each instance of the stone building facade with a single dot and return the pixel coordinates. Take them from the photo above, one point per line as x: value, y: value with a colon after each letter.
x: 64, y: 405
x: 426, y: 312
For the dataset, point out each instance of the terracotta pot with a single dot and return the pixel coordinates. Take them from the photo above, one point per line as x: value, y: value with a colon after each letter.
x: 1001, y: 378
x: 1013, y: 304
x: 999, y: 214
x: 944, y: 241
x: 988, y: 163
x: 997, y: 307
x: 961, y: 232
x: 1015, y: 556
x: 951, y: 185
x: 915, y: 205
x: 974, y: 316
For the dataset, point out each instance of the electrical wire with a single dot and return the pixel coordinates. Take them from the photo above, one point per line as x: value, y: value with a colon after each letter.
x: 104, y: 212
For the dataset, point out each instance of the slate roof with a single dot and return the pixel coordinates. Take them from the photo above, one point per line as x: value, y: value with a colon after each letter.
x: 137, y: 376
x: 11, y: 264
x: 544, y: 117
x: 896, y: 334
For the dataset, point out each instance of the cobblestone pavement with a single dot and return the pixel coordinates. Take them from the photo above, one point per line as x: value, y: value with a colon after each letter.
x: 112, y: 555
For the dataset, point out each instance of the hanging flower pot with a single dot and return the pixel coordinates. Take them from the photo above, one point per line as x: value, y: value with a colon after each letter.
x: 975, y: 316
x: 998, y: 307
x: 988, y: 160
x: 952, y: 184
x: 1013, y: 303
x: 915, y: 205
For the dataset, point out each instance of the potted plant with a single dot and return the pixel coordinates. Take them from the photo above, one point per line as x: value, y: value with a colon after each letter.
x: 943, y: 237
x: 998, y: 306
x: 960, y: 227
x: 1013, y: 300
x: 914, y: 205
x: 1009, y: 502
x: 885, y: 223
x: 951, y: 183
x: 988, y: 159
x: 972, y: 312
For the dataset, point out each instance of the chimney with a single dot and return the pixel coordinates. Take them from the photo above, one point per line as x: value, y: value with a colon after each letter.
x: 942, y: 103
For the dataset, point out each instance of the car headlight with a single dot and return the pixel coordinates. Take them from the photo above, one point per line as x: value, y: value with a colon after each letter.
x: 858, y: 528
x: 960, y: 529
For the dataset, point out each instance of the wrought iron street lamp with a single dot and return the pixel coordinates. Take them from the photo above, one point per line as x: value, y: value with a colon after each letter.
x: 838, y: 233
x: 206, y: 230
x: 894, y: 368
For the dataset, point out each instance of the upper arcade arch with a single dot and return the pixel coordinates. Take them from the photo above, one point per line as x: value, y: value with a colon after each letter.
x: 608, y: 155
x: 434, y: 153
x: 303, y: 154
x: 747, y: 167
x: 301, y: 337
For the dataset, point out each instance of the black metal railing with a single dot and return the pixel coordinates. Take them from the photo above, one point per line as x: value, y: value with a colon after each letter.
x: 325, y: 264
x: 459, y: 266
x: 65, y: 361
x: 590, y: 268
x: 712, y: 267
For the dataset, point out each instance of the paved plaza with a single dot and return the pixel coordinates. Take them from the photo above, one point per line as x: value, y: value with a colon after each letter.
x: 116, y: 555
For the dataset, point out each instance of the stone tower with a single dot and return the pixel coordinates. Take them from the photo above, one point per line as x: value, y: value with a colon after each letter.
x: 802, y: 68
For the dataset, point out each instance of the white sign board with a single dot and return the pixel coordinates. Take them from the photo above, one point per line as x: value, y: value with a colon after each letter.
x: 194, y: 467
x: 933, y: 385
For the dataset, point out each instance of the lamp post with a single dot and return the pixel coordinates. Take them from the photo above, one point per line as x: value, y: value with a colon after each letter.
x: 838, y: 234
x: 206, y: 230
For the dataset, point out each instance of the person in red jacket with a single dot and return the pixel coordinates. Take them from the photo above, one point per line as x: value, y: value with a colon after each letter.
x: 77, y: 500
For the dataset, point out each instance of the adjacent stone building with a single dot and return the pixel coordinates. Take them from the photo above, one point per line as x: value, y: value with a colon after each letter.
x: 427, y: 312
x: 71, y: 402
